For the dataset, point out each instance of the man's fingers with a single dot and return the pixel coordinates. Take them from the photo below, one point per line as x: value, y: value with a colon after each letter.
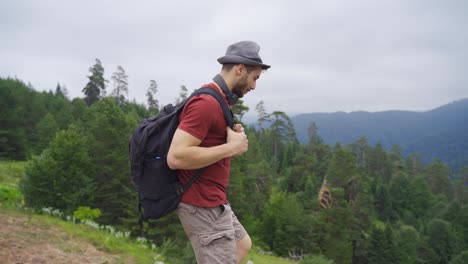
x: 238, y: 128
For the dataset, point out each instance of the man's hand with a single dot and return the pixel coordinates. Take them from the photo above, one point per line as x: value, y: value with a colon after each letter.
x: 237, y: 139
x: 238, y: 128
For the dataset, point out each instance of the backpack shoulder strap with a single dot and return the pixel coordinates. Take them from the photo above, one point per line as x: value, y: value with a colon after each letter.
x: 226, y: 110
x: 229, y: 119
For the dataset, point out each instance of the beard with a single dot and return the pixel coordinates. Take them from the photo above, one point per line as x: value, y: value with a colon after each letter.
x: 241, y: 87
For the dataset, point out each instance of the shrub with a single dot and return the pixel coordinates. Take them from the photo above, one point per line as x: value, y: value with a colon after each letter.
x: 86, y: 213
x: 60, y: 176
x: 10, y: 196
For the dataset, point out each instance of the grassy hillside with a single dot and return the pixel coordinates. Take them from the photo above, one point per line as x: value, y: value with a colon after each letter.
x: 31, y: 238
x: 49, y: 237
x: 28, y: 237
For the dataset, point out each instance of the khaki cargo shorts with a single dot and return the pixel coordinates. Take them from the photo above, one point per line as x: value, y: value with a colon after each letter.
x: 213, y: 232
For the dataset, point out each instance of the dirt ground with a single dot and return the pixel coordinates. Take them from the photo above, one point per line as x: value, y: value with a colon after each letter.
x: 24, y: 240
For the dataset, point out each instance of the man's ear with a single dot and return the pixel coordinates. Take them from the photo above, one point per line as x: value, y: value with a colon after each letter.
x: 240, y: 68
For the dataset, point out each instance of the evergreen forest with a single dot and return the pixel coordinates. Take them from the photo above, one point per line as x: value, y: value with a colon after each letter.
x: 440, y: 133
x: 382, y: 207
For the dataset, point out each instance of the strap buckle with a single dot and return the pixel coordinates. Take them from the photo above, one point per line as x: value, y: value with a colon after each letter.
x: 179, y: 188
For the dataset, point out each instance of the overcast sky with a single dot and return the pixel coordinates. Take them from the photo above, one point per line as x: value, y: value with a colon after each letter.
x: 326, y: 56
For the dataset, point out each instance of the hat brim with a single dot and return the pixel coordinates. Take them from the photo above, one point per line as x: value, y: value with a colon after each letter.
x: 241, y: 60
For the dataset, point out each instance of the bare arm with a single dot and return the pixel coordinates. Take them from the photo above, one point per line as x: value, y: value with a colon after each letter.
x: 185, y: 151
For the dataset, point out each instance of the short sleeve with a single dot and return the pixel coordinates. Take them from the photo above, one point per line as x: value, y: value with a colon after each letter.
x: 199, y: 115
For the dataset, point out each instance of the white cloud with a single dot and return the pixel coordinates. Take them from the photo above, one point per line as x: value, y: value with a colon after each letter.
x: 325, y: 55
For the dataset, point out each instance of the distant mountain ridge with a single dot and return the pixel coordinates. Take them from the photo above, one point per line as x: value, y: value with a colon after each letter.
x: 439, y: 133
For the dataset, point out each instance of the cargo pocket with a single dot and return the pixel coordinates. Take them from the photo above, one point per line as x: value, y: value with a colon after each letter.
x: 208, y: 237
x: 218, y: 243
x: 222, y: 230
x: 221, y: 236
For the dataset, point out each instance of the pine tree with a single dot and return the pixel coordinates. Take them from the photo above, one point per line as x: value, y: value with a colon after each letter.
x: 441, y: 239
x: 438, y: 178
x: 62, y: 111
x: 383, y: 203
x: 120, y: 79
x: 421, y: 199
x: 382, y: 245
x: 78, y: 109
x: 391, y: 254
x: 282, y: 131
x: 46, y: 130
x: 284, y: 224
x: 376, y: 251
x: 13, y: 109
x: 58, y: 91
x: 302, y: 166
x: 342, y: 166
x: 360, y: 149
x: 61, y: 91
x: 337, y: 241
x: 239, y: 110
x: 360, y: 200
x: 314, y: 138
x: 262, y: 115
x: 400, y: 191
x: 95, y: 89
x: 109, y: 129
x: 414, y: 165
x: 396, y: 160
x: 379, y: 165
x: 183, y: 94
x: 153, y: 103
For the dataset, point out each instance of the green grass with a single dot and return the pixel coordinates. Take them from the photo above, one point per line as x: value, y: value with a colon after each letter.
x: 104, y: 241
x: 10, y: 196
x: 126, y: 248
x: 259, y: 258
x: 11, y: 172
x: 129, y: 250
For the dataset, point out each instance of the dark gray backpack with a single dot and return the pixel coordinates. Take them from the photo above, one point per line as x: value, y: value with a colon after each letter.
x: 158, y: 187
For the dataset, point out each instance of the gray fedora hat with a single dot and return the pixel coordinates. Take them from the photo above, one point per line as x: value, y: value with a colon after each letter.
x: 244, y: 52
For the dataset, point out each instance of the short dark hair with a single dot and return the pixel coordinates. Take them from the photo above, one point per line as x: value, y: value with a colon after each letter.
x: 228, y: 67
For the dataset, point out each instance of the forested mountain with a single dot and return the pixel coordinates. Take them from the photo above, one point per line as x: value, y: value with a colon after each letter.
x: 379, y: 207
x: 440, y: 133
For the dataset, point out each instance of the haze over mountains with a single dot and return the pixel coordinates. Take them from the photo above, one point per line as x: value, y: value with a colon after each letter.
x: 439, y: 133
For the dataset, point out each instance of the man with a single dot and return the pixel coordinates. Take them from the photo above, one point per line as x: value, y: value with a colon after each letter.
x: 203, y: 139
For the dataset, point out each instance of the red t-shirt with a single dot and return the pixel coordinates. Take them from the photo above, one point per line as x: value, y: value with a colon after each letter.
x: 203, y: 118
